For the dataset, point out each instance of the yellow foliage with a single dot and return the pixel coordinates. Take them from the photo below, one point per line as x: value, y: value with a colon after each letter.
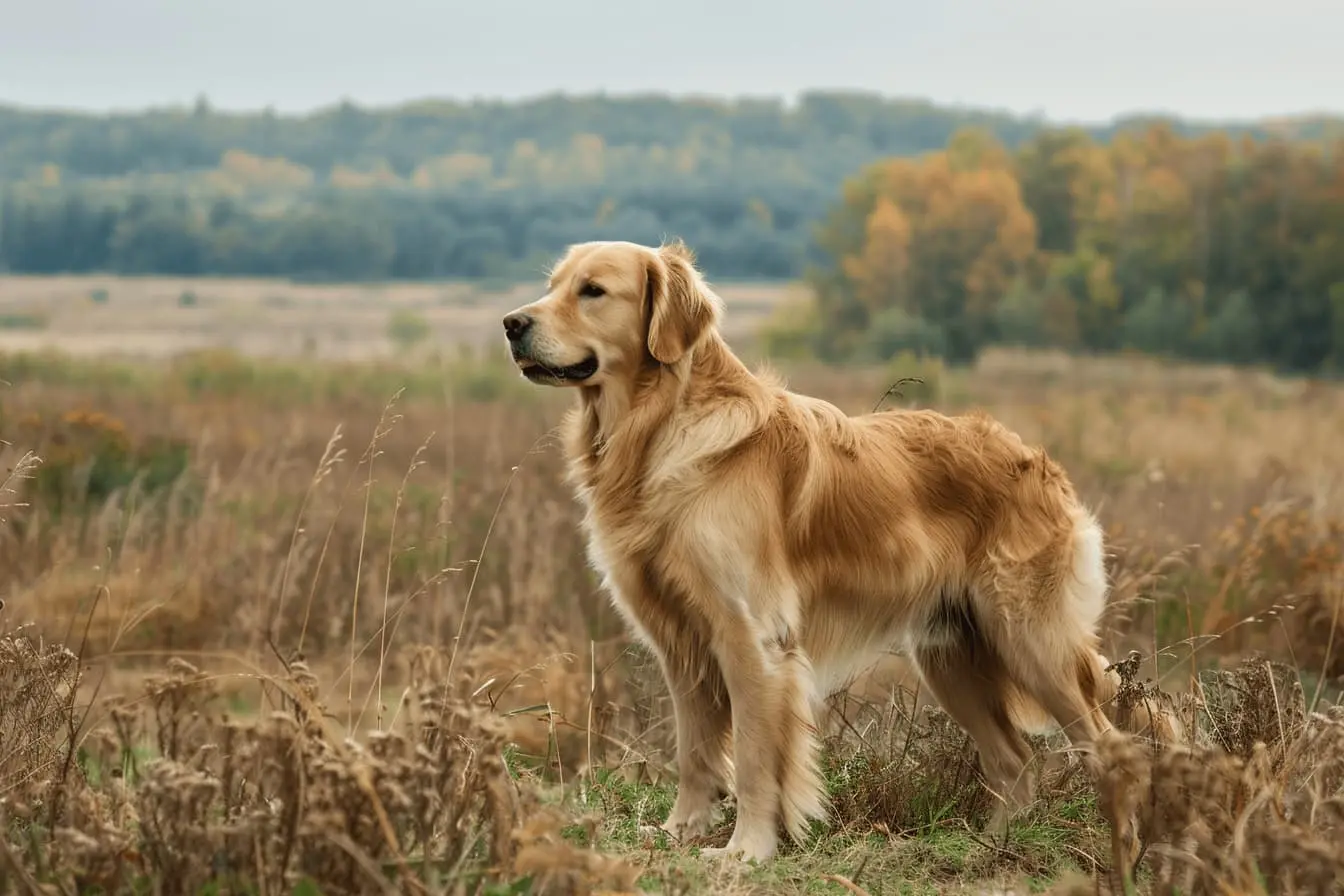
x: 381, y: 175
x: 452, y: 170
x: 587, y: 157
x: 1102, y: 290
x: 242, y: 170
x: 761, y: 212
x: 976, y: 148
x: 880, y: 271
x: 949, y: 230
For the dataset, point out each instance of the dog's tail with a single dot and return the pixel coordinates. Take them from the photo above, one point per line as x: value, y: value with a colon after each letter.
x: 1079, y: 604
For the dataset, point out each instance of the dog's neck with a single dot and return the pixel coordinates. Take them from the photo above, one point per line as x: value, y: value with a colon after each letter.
x: 634, y: 408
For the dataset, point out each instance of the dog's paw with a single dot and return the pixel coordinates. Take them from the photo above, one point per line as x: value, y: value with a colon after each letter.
x: 999, y: 822
x: 743, y: 849
x: 685, y: 825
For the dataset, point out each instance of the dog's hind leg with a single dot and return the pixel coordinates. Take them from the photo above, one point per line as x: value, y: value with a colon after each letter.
x: 1047, y: 634
x: 1050, y: 644
x: 969, y: 680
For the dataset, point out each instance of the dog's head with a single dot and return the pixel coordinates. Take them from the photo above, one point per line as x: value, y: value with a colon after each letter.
x: 610, y: 309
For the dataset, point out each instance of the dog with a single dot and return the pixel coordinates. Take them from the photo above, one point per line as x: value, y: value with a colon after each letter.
x: 765, y: 546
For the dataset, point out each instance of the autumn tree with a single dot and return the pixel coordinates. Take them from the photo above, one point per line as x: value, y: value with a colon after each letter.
x: 938, y: 240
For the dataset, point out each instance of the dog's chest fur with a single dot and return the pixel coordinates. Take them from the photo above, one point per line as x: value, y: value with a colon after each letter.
x: 643, y: 499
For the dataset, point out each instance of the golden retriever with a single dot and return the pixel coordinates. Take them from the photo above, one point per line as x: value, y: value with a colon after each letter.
x: 766, y: 546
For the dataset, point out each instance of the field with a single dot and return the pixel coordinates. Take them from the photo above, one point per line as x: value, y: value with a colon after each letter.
x: 161, y: 316
x: 292, y: 606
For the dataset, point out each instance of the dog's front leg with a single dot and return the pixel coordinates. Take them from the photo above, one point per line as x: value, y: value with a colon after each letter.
x: 771, y: 688
x: 703, y: 724
x: 700, y: 702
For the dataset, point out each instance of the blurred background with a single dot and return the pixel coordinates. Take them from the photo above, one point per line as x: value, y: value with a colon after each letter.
x: 253, y: 258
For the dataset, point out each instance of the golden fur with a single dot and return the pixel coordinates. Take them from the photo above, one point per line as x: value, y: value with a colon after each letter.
x: 766, y: 546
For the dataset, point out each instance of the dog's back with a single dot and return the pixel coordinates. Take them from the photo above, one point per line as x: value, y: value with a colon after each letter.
x: 932, y: 492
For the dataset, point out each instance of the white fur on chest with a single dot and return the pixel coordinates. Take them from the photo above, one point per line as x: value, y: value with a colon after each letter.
x: 602, y: 558
x: 695, y: 545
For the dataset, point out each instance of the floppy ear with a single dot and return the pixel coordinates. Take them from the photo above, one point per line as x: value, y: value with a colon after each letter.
x: 681, y: 308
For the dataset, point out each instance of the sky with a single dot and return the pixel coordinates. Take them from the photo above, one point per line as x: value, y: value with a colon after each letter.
x: 1074, y: 60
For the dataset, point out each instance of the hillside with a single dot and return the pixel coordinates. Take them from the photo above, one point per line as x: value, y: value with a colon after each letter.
x: 825, y: 136
x: 443, y: 189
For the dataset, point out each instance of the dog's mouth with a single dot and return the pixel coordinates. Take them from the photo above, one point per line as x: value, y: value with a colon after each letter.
x: 543, y: 373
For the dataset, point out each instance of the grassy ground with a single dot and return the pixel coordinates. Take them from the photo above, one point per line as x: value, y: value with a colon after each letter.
x: 306, y: 625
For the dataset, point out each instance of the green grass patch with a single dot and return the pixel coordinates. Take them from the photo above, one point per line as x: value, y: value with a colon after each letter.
x: 619, y: 816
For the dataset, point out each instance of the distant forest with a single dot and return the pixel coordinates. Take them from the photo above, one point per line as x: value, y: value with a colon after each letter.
x: 442, y: 189
x: 921, y: 228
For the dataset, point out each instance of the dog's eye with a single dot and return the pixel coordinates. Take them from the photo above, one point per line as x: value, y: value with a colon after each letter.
x: 592, y: 291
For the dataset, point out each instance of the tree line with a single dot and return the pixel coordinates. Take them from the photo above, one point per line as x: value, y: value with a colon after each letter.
x: 960, y: 228
x: 331, y: 236
x: 443, y: 189
x: 823, y: 132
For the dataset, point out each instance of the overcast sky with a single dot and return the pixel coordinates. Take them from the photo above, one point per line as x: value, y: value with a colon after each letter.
x: 1069, y: 59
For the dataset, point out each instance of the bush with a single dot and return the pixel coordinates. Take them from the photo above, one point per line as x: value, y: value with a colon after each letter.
x: 87, y: 456
x: 895, y: 332
x: 1232, y: 334
x: 407, y: 329
x: 1157, y: 325
x: 791, y: 331
x: 915, y: 380
x: 23, y: 320
x: 1020, y: 318
x: 173, y: 797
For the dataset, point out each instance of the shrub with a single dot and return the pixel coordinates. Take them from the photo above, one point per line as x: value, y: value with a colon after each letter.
x: 1157, y: 325
x: 407, y: 329
x: 790, y: 332
x: 1021, y: 318
x: 1248, y: 802
x: 895, y: 332
x: 1232, y: 333
x: 23, y: 320
x: 87, y: 456
x: 38, y: 681
x: 914, y: 379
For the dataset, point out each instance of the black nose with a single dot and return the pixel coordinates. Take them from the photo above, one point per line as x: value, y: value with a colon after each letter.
x: 515, y: 325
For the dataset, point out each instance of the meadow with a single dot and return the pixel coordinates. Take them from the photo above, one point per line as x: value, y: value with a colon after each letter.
x: 295, y: 602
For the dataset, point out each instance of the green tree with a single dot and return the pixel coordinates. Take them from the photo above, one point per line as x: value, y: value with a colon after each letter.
x: 1232, y: 332
x: 1158, y: 325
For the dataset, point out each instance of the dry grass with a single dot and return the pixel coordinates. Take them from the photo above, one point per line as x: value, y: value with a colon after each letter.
x: 171, y: 796
x: 1249, y: 800
x: 314, y: 627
